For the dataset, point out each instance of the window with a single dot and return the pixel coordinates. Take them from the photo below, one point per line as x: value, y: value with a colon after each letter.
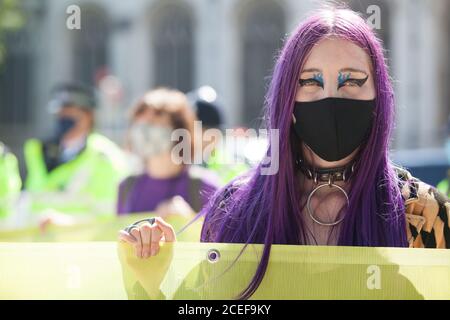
x: 262, y: 32
x: 385, y: 16
x: 90, y: 46
x: 172, y: 44
x: 15, y: 79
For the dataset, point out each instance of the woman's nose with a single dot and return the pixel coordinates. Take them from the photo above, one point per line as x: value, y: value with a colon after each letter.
x: 330, y: 89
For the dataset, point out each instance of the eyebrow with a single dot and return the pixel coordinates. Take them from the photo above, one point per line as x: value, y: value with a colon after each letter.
x: 311, y: 70
x: 353, y: 70
x: 341, y: 70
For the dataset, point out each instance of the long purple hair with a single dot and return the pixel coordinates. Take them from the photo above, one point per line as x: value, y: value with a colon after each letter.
x: 266, y: 209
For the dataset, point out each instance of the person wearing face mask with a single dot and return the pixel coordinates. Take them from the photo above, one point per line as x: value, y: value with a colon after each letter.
x: 205, y: 103
x: 10, y: 182
x: 165, y: 186
x: 332, y: 102
x: 76, y: 170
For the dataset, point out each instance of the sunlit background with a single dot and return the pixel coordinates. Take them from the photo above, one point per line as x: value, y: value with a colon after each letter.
x: 126, y: 47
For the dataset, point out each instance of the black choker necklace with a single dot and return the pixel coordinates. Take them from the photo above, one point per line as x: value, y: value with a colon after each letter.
x: 328, y: 174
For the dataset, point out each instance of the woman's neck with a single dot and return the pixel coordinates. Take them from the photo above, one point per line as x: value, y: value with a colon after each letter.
x: 162, y: 167
x: 309, y: 184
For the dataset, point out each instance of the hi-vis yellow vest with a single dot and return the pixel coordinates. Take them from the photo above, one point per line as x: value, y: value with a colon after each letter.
x: 444, y: 185
x: 10, y: 182
x: 90, y: 180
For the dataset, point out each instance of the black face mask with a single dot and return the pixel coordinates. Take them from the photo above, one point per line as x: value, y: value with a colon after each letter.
x: 333, y: 127
x: 63, y: 125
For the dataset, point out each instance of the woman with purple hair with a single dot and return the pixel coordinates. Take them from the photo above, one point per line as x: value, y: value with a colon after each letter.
x: 332, y: 101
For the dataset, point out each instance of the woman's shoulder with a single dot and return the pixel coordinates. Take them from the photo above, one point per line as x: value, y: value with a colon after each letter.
x: 128, y: 184
x: 218, y: 210
x: 427, y: 212
x: 131, y: 179
x: 225, y: 193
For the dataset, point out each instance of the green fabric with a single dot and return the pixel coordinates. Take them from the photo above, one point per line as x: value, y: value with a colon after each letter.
x: 104, y: 229
x: 444, y: 186
x: 106, y: 270
x: 182, y: 271
x: 10, y: 182
x: 89, y: 182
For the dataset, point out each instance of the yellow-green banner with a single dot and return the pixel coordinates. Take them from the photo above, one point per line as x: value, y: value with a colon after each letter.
x: 105, y: 229
x: 182, y: 270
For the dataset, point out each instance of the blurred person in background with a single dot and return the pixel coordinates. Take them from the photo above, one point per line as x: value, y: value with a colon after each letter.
x: 444, y: 185
x: 76, y: 170
x: 165, y: 187
x: 208, y: 111
x: 10, y: 182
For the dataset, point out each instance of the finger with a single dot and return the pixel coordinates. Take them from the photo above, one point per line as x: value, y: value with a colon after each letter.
x: 138, y: 244
x: 146, y: 236
x: 167, y: 229
x: 126, y: 237
x: 156, y: 237
x: 43, y: 224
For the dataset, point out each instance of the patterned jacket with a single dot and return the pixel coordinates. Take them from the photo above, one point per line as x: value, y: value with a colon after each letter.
x: 427, y: 213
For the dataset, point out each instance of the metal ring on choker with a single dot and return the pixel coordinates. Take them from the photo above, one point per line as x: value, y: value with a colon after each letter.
x: 310, y: 211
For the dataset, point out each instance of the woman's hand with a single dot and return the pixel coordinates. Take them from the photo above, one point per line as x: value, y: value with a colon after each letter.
x: 146, y: 237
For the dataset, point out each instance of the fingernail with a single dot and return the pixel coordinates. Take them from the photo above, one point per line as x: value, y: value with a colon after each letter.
x: 145, y: 255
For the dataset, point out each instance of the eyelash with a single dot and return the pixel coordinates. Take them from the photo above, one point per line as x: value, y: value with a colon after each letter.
x: 304, y: 82
x: 358, y: 82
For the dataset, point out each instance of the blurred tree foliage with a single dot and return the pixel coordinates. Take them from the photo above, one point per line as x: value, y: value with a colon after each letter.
x: 12, y: 18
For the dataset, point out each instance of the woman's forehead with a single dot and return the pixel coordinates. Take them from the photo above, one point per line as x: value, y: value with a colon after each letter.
x: 334, y: 54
